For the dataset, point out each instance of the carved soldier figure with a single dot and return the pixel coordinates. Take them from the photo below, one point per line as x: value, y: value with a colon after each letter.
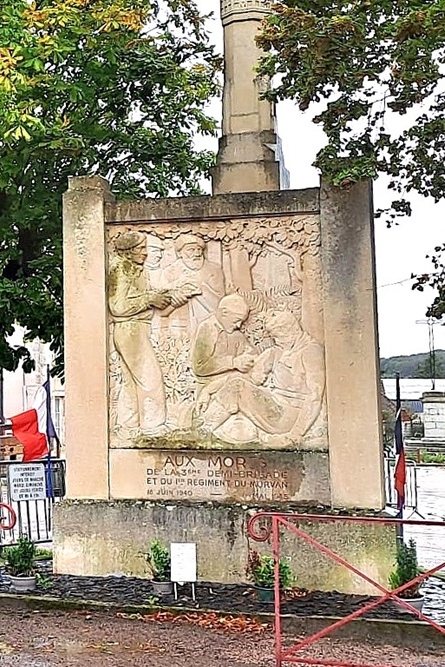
x: 141, y: 403
x: 280, y: 391
x: 219, y: 345
x: 193, y: 272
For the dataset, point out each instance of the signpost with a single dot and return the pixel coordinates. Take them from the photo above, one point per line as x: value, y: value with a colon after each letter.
x: 183, y: 565
x: 27, y: 481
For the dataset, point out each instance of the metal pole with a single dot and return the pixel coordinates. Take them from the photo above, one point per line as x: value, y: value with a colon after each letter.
x: 277, y: 590
x: 2, y: 413
x: 432, y: 354
x: 431, y: 322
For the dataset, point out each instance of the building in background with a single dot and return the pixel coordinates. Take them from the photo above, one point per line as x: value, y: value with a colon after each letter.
x: 19, y: 388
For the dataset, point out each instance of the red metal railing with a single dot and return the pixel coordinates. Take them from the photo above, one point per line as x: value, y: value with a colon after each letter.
x: 266, y: 525
x: 12, y: 517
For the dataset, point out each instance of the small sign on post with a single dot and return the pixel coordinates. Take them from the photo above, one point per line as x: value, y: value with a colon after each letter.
x: 183, y: 565
x: 27, y: 481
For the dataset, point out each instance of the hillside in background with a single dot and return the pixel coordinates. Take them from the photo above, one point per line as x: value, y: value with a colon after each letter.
x: 413, y: 366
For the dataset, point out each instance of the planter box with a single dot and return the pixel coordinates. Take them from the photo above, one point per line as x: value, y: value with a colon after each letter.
x: 162, y: 587
x: 416, y: 602
x: 22, y: 584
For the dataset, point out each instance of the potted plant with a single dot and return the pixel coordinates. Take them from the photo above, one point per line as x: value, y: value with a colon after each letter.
x: 261, y: 569
x: 158, y: 559
x: 407, y: 569
x: 19, y: 563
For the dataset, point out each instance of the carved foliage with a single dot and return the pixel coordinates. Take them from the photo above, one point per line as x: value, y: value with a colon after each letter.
x: 256, y: 236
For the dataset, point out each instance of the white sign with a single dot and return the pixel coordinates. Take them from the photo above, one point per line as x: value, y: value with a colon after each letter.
x: 183, y: 562
x: 27, y: 481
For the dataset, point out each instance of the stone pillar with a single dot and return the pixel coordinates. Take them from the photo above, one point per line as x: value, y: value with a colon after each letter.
x: 434, y: 415
x: 351, y: 343
x: 247, y: 151
x: 86, y: 338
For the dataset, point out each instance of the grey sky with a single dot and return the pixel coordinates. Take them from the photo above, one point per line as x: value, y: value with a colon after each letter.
x: 400, y: 250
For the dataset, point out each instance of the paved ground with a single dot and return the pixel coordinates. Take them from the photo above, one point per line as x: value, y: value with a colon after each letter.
x: 74, y: 639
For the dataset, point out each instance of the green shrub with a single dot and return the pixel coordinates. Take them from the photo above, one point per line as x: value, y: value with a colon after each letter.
x: 20, y: 559
x: 261, y: 570
x: 407, y: 569
x: 158, y: 559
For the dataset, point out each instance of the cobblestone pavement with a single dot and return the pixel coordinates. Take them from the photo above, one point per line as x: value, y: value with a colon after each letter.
x: 74, y: 639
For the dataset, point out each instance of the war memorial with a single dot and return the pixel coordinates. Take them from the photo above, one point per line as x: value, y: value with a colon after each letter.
x: 221, y: 357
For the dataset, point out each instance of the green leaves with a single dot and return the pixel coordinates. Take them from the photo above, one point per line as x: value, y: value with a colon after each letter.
x: 407, y: 569
x: 20, y: 559
x: 261, y: 569
x: 111, y: 87
x: 158, y: 559
x: 365, y: 61
x: 368, y: 65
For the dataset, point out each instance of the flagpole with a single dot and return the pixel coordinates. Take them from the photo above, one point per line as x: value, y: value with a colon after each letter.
x: 2, y: 399
x: 400, y: 466
x: 49, y: 430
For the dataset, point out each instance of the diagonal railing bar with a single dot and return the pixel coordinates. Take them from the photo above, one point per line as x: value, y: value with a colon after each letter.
x: 387, y: 594
x: 262, y: 533
x: 360, y: 612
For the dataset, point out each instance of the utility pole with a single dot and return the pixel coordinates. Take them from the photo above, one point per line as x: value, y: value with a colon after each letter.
x: 431, y: 322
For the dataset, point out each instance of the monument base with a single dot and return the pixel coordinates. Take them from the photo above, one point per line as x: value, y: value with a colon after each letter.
x: 100, y: 538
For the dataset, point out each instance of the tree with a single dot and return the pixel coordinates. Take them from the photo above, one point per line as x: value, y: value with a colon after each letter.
x: 376, y: 69
x: 111, y: 87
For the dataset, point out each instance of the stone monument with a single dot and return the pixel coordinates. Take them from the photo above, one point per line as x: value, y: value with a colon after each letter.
x: 247, y: 158
x: 221, y: 354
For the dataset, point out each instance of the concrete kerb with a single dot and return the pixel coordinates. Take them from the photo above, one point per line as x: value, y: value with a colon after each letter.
x: 409, y: 634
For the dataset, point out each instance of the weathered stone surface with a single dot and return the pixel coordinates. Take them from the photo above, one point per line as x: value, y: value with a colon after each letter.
x: 219, y: 207
x: 260, y: 477
x: 102, y: 538
x: 86, y: 337
x: 247, y: 156
x: 351, y: 344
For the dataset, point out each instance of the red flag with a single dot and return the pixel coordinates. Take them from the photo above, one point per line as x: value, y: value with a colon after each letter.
x: 25, y: 428
x: 400, y: 477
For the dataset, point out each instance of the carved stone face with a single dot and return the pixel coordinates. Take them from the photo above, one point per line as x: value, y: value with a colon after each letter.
x: 282, y: 325
x: 138, y: 255
x: 232, y: 313
x: 154, y: 257
x: 193, y: 256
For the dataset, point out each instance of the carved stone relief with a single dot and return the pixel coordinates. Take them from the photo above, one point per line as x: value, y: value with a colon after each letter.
x: 207, y: 336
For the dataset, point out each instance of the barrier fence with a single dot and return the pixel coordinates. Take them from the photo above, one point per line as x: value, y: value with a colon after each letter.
x: 269, y: 525
x: 411, y: 487
x: 34, y: 517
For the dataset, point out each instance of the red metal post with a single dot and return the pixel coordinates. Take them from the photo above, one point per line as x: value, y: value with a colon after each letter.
x: 262, y: 533
x: 277, y: 588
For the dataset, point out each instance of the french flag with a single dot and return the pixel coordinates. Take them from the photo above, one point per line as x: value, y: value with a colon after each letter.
x: 400, y: 469
x: 34, y: 428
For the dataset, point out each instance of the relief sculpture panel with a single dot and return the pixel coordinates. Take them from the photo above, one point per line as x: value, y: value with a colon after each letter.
x: 214, y: 342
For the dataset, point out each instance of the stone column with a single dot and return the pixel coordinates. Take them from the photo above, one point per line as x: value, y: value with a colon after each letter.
x: 434, y: 415
x: 351, y: 340
x: 86, y: 338
x: 247, y: 150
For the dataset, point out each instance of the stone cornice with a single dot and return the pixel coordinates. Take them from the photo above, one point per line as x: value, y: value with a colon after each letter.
x: 239, y: 10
